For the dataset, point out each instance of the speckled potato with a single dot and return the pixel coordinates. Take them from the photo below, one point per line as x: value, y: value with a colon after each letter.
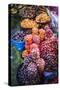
x: 28, y: 73
x: 35, y: 53
x: 27, y: 12
x: 48, y: 33
x: 40, y: 64
x: 49, y: 52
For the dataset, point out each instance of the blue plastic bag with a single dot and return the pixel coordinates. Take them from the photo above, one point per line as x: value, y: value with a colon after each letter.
x: 19, y: 45
x: 50, y: 75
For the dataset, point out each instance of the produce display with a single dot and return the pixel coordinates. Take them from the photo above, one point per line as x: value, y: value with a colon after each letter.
x: 34, y: 44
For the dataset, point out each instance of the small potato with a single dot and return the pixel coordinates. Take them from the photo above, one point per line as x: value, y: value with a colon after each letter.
x: 28, y: 39
x: 43, y: 18
x: 28, y: 23
x: 42, y: 34
x: 35, y: 31
x: 36, y: 39
x: 25, y: 53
